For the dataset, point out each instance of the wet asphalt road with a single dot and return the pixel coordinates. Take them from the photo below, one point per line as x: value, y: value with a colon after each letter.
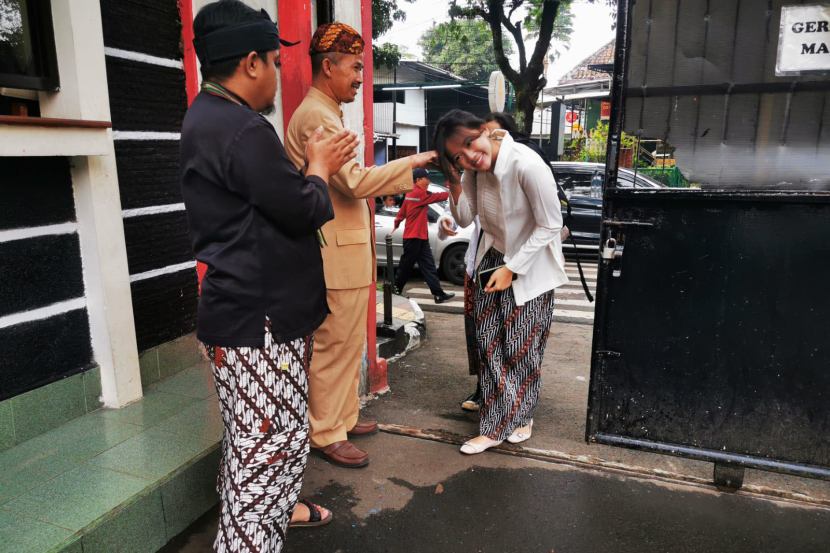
x: 498, y: 503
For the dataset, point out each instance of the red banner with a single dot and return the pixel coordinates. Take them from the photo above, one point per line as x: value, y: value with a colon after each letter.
x: 605, y: 110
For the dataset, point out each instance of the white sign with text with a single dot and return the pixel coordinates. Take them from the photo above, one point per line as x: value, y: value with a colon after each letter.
x: 804, y: 41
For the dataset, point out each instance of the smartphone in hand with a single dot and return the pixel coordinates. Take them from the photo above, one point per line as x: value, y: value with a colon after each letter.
x: 485, y: 275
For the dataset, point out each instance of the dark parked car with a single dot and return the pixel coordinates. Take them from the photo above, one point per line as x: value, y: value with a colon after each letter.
x: 576, y: 180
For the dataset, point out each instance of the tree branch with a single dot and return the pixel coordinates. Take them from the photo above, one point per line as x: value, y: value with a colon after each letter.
x: 516, y: 31
x: 516, y: 5
x: 550, y: 10
x: 493, y: 18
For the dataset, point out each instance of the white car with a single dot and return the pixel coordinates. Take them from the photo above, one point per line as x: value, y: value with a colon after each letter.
x: 449, y: 253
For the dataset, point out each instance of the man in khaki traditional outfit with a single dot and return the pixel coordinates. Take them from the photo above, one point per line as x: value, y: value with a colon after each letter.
x: 349, y: 259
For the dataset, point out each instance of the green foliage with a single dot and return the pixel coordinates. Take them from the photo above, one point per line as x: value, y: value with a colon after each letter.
x: 670, y: 176
x: 562, y: 29
x: 573, y: 149
x: 593, y: 149
x: 597, y: 144
x: 528, y: 12
x: 522, y: 20
x: 384, y: 15
x: 386, y: 55
x: 561, y: 33
x: 464, y: 47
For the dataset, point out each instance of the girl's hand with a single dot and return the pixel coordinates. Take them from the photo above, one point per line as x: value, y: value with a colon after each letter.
x: 455, y: 191
x: 455, y: 174
x: 446, y: 226
x: 501, y: 280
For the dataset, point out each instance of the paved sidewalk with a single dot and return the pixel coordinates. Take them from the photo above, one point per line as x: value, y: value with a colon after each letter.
x: 407, y: 331
x: 403, y: 309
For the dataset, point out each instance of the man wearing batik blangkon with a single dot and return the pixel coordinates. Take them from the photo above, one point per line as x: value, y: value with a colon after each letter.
x: 254, y: 221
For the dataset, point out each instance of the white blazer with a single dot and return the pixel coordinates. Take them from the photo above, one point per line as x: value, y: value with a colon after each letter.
x: 532, y: 218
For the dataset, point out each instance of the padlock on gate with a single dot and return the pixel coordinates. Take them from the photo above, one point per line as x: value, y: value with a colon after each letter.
x: 608, y: 249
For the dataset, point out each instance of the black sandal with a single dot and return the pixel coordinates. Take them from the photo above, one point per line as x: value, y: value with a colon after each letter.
x: 315, y: 517
x: 472, y: 403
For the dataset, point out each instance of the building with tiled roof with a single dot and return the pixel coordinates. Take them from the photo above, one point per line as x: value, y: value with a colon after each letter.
x: 594, y: 67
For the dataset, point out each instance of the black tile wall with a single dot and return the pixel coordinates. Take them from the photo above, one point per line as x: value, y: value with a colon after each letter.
x: 147, y: 26
x: 156, y: 241
x: 145, y: 97
x: 148, y: 172
x: 36, y: 272
x: 149, y: 97
x: 35, y: 191
x: 165, y: 307
x: 44, y: 351
x: 39, y: 271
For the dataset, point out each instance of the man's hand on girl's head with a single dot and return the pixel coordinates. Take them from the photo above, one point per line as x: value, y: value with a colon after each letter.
x: 424, y: 160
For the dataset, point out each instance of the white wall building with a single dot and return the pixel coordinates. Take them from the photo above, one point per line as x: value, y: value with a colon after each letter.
x: 403, y: 126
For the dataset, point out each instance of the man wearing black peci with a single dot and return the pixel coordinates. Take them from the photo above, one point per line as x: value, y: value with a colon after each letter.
x: 254, y: 221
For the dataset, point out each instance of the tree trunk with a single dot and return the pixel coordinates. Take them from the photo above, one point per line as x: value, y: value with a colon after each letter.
x: 525, y: 107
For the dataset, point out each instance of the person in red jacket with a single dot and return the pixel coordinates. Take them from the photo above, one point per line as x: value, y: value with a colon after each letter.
x: 416, y: 236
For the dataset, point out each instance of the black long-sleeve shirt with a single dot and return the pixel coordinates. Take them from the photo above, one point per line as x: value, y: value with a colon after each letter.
x: 253, y: 220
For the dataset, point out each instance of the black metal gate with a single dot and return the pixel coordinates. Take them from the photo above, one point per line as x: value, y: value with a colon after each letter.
x: 711, y: 331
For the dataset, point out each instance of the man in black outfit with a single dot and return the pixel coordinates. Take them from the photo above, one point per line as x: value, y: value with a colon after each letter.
x: 254, y: 221
x: 416, y: 236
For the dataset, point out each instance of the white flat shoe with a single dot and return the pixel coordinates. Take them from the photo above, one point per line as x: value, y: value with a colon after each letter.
x: 470, y: 448
x: 518, y: 437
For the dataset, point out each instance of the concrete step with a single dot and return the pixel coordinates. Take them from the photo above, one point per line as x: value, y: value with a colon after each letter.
x: 125, y: 479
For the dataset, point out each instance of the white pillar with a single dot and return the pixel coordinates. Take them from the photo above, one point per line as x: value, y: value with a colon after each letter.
x: 80, y: 47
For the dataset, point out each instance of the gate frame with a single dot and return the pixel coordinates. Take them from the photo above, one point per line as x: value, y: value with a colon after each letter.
x: 729, y: 468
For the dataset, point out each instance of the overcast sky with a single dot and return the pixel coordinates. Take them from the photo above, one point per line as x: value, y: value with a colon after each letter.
x: 592, y: 29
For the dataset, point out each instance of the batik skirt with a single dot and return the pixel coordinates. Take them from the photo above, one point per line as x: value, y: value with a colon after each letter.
x: 511, y: 342
x: 473, y: 357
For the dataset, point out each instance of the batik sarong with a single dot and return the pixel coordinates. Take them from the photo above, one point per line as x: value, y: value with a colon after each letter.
x: 263, y: 397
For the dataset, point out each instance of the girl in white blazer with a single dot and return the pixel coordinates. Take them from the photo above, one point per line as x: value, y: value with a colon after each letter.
x: 512, y: 191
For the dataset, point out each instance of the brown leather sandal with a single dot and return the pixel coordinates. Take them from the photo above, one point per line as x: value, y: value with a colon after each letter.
x: 315, y: 517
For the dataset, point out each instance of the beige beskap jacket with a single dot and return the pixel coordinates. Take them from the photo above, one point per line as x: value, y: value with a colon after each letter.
x: 349, y: 260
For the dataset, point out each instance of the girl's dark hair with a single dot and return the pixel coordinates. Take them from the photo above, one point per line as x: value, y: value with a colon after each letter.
x: 219, y: 15
x: 448, y: 125
x: 505, y: 121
